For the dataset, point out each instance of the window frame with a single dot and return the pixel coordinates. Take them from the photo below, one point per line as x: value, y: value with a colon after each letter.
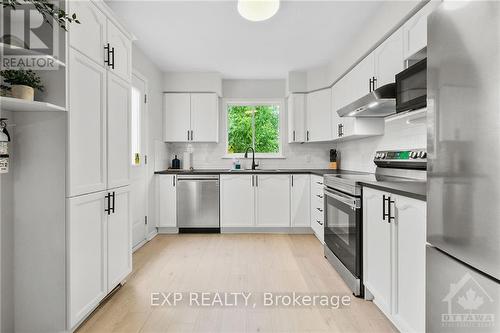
x: 255, y: 102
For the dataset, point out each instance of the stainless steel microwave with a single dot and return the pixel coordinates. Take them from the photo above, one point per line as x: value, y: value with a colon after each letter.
x: 411, y: 87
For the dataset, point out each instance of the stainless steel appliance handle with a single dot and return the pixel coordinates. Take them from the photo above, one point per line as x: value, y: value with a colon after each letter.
x: 197, y: 177
x: 339, y: 196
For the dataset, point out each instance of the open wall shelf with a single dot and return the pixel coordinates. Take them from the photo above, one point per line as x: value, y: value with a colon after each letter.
x: 19, y: 105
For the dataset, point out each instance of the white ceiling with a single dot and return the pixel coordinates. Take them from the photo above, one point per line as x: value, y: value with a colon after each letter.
x: 212, y: 36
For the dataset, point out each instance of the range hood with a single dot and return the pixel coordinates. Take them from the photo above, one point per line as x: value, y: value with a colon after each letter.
x: 379, y: 103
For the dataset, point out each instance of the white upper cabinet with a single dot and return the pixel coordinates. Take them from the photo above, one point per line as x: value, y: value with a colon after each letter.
x: 87, y: 125
x: 415, y: 30
x: 119, y: 239
x: 167, y: 204
x: 177, y: 117
x: 89, y: 37
x: 272, y: 200
x: 389, y: 59
x: 204, y: 117
x: 118, y: 131
x: 192, y: 117
x: 300, y: 200
x: 296, y: 118
x: 318, y: 106
x: 120, y: 53
x: 237, y: 200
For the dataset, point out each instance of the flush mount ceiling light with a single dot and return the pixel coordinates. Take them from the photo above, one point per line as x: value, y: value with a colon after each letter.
x: 258, y: 10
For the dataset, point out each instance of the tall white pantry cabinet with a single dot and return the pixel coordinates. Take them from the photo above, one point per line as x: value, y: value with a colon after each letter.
x: 98, y: 243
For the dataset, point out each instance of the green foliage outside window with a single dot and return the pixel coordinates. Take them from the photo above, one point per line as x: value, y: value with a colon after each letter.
x: 249, y: 124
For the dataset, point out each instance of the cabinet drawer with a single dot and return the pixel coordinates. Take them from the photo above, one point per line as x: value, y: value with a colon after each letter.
x: 317, y: 202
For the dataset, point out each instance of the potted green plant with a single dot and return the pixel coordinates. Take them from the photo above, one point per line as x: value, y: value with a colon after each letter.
x: 22, y: 83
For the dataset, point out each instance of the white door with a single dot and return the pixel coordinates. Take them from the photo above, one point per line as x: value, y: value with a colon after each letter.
x: 318, y: 115
x: 86, y: 254
x: 377, y: 242
x: 204, y: 117
x: 89, y: 37
x: 409, y: 288
x: 136, y: 157
x: 168, y: 200
x: 237, y: 200
x: 121, y: 52
x: 389, y: 59
x: 118, y: 132
x: 176, y: 117
x: 119, y: 238
x: 300, y: 200
x: 272, y: 200
x: 296, y: 117
x: 87, y: 125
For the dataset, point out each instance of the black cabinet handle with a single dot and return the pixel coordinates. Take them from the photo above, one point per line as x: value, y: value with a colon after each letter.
x: 374, y: 80
x: 383, y: 207
x: 188, y: 134
x: 108, y: 205
x: 112, y: 64
x: 191, y: 135
x: 389, y: 215
x: 292, y: 180
x: 370, y: 85
x: 173, y: 180
x: 253, y: 182
x: 293, y: 135
x: 106, y: 60
x: 113, y: 203
x: 319, y: 196
x: 307, y: 135
x: 319, y: 222
x: 256, y: 180
x: 321, y: 210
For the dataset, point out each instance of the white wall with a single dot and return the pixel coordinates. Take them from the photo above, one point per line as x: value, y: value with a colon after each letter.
x: 193, y: 82
x: 157, y: 150
x: 405, y: 132
x: 210, y: 155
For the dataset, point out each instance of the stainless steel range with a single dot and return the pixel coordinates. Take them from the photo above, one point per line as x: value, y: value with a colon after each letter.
x: 343, y: 208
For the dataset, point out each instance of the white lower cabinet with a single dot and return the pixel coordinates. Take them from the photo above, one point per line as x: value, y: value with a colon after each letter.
x: 300, y: 200
x: 394, y: 256
x: 317, y: 206
x: 272, y: 199
x: 99, y: 249
x: 167, y: 204
x: 237, y: 201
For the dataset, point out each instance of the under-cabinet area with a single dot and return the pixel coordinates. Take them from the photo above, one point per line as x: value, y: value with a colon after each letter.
x: 249, y: 166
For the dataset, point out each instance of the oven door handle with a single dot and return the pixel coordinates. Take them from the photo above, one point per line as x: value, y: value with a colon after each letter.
x: 339, y: 196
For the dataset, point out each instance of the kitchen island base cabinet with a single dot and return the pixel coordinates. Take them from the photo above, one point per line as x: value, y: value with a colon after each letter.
x: 394, y: 236
x: 167, y: 185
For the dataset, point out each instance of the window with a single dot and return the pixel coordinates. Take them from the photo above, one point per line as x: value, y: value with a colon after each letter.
x: 253, y: 124
x: 135, y: 127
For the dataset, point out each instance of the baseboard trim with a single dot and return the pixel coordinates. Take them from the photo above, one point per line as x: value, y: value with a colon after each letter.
x: 168, y: 230
x: 268, y: 230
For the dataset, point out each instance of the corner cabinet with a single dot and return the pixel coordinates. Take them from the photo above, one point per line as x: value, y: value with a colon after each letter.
x: 394, y: 236
x: 318, y: 106
x: 191, y: 117
x: 296, y: 117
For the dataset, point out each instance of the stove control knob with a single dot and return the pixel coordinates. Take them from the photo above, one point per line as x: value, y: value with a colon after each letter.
x: 377, y: 156
x: 422, y: 154
x: 413, y: 154
x: 382, y: 155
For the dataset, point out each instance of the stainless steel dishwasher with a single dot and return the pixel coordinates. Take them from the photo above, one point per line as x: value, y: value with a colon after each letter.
x: 198, y: 203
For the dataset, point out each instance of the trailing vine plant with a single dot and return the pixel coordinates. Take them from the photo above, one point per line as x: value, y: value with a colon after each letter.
x: 48, y: 11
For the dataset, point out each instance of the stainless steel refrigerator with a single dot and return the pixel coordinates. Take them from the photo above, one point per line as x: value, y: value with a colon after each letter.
x: 463, y: 195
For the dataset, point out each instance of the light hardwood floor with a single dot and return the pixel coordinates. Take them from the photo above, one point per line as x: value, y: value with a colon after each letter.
x: 254, y: 263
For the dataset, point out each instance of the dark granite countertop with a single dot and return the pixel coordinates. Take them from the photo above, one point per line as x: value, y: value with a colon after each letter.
x: 411, y: 188
x: 319, y: 172
x: 415, y: 189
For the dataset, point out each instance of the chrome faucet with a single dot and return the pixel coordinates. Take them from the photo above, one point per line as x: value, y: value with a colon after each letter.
x: 253, y: 157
